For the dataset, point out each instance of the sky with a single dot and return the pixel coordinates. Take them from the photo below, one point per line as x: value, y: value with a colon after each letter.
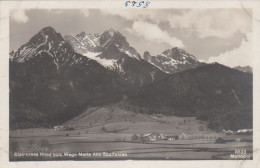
x: 211, y: 35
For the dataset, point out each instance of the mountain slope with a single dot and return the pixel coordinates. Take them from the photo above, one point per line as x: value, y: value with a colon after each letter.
x: 119, y: 118
x: 112, y: 51
x: 208, y: 92
x: 50, y: 83
x: 173, y: 60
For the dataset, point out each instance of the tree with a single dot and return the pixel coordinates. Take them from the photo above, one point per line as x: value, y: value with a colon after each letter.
x: 103, y: 129
x: 134, y: 137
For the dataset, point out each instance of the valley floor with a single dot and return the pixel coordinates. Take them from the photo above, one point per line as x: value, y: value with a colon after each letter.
x: 48, y: 144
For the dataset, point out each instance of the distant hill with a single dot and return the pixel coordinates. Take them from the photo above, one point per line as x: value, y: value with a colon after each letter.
x: 213, y: 92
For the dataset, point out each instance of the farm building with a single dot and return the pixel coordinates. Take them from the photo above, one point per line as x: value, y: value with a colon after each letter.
x: 58, y: 128
x: 239, y: 132
x: 245, y: 131
x: 153, y: 137
x: 172, y: 137
x: 62, y: 127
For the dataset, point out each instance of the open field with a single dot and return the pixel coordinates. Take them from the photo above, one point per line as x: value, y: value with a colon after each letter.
x: 121, y: 143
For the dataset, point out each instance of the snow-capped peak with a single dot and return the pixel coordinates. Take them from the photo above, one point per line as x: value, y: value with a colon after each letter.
x: 46, y: 43
x: 110, y: 31
x: 172, y: 60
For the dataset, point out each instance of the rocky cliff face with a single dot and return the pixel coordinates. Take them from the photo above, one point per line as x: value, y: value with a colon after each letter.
x: 173, y: 60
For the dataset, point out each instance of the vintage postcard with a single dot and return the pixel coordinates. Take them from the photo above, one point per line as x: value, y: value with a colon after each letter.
x: 130, y: 83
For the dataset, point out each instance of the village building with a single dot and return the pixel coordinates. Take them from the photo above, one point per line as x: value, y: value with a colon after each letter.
x: 153, y: 137
x: 172, y: 137
x: 245, y: 131
x: 58, y: 128
x: 62, y: 127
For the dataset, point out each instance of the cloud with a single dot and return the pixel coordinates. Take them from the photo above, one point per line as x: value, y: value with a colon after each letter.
x: 221, y: 23
x: 55, y: 11
x: 19, y: 15
x: 126, y: 14
x: 85, y: 12
x: 241, y: 56
x: 152, y: 32
x: 155, y: 15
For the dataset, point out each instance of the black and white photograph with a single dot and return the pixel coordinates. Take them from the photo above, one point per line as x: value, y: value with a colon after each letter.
x: 131, y: 83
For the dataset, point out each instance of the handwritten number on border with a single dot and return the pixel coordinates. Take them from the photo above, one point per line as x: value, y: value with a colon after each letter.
x: 142, y: 4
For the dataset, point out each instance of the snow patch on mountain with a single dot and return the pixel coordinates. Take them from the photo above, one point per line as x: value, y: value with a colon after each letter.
x: 127, y: 52
x: 93, y: 45
x: 55, y: 60
x: 91, y: 41
x: 46, y: 39
x: 108, y: 63
x: 158, y: 67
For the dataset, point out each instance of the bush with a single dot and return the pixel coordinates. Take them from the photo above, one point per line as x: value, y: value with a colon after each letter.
x: 220, y: 140
x: 103, y: 129
x: 134, y: 138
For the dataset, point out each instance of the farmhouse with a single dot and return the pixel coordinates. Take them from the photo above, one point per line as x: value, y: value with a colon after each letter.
x: 58, y: 128
x: 245, y: 131
x: 62, y: 127
x: 239, y: 132
x: 153, y: 137
x: 172, y: 137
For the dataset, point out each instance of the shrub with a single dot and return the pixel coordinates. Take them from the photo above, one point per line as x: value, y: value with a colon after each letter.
x: 134, y: 137
x: 220, y: 140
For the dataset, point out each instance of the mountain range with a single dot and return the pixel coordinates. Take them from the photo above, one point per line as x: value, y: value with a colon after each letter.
x: 55, y: 78
x: 111, y: 50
